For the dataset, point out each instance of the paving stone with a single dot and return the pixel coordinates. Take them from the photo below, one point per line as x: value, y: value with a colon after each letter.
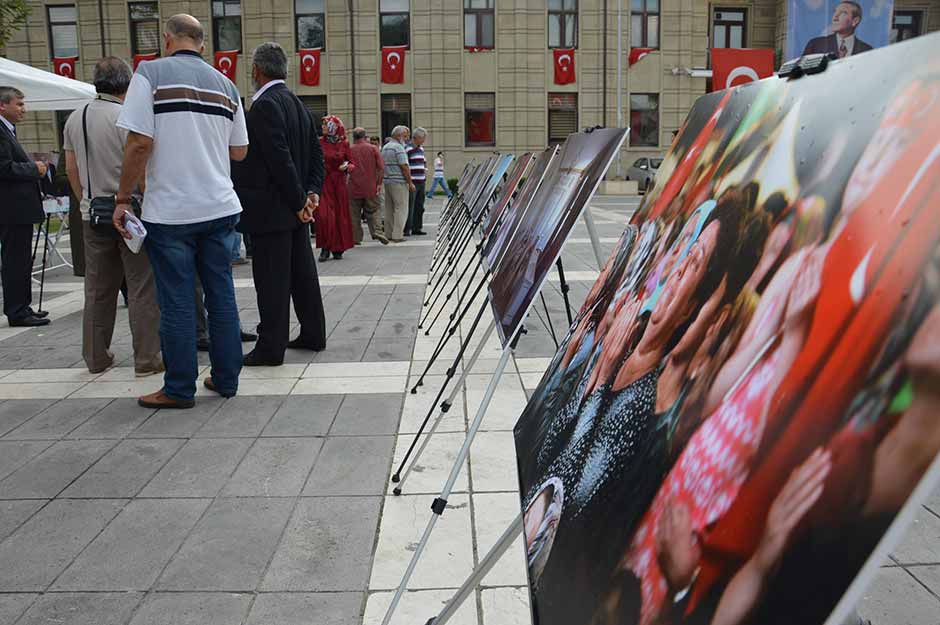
x: 896, y: 598
x: 921, y: 543
x: 59, y: 419
x: 116, y: 420
x: 339, y: 608
x: 230, y: 547
x: 47, y: 474
x: 928, y: 575
x: 352, y: 465
x: 200, y: 469
x: 383, y: 349
x: 304, y: 416
x: 15, y: 412
x: 12, y: 605
x: 14, y: 512
x: 82, y: 608
x: 397, y: 328
x: 198, y: 608
x: 368, y: 414
x: 40, y: 549
x: 343, y: 350
x: 178, y: 423
x: 130, y: 553
x: 354, y: 329
x: 327, y: 546
x: 241, y: 416
x: 14, y: 454
x: 274, y: 467
x: 124, y: 470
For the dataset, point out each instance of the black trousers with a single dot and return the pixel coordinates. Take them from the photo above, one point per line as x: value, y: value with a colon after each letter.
x: 16, y: 256
x: 416, y: 208
x: 284, y: 269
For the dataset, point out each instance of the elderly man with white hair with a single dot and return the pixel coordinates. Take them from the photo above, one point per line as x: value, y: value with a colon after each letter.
x: 398, y: 184
x: 419, y: 168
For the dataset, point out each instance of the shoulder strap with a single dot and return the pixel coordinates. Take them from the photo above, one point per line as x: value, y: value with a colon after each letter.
x: 87, y: 154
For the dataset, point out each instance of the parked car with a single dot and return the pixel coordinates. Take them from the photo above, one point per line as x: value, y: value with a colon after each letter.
x: 644, y: 171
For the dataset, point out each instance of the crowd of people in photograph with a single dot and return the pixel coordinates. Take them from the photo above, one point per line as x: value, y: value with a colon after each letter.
x: 171, y: 144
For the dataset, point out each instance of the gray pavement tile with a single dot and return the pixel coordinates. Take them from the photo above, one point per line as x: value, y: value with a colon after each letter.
x: 14, y: 512
x: 383, y: 349
x: 301, y: 415
x: 896, y: 598
x: 921, y: 543
x: 198, y: 608
x: 14, y: 454
x: 327, y: 546
x: 397, y: 328
x: 200, y: 469
x: 40, y: 549
x: 47, y: 474
x: 368, y: 414
x: 13, y: 605
x: 928, y: 575
x: 274, y: 467
x: 14, y: 412
x: 124, y: 470
x: 82, y: 608
x: 354, y: 328
x: 230, y: 547
x: 178, y: 423
x: 933, y: 501
x: 58, y: 420
x: 352, y: 465
x: 132, y: 550
x: 327, y: 608
x: 241, y: 416
x: 116, y: 420
x: 343, y: 350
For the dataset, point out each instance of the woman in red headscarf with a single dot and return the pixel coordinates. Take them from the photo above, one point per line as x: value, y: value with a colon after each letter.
x: 333, y: 224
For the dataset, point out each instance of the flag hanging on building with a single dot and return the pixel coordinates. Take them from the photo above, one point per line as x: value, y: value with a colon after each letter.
x: 140, y: 58
x: 226, y: 62
x: 309, y: 66
x: 638, y: 53
x: 564, y: 66
x: 736, y: 66
x: 64, y: 66
x: 393, y: 64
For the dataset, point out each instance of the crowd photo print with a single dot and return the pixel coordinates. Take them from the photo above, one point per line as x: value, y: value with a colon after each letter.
x: 749, y: 395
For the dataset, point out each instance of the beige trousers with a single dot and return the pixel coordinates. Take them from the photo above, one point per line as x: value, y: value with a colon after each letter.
x: 369, y: 207
x: 396, y: 210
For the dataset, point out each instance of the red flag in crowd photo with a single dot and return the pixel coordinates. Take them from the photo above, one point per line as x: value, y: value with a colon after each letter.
x: 139, y: 58
x: 64, y: 66
x: 638, y: 53
x: 564, y: 66
x: 226, y: 62
x: 309, y: 66
x: 393, y: 64
x: 736, y: 66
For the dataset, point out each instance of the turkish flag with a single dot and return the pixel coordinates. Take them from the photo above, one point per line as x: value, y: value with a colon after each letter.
x: 64, y: 66
x: 736, y: 66
x: 139, y: 58
x: 638, y: 53
x: 393, y: 64
x: 564, y: 66
x: 226, y: 62
x: 309, y: 66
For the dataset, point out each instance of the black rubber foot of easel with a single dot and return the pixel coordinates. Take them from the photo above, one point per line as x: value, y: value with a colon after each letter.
x: 414, y: 390
x: 430, y: 620
x: 397, y: 491
x: 396, y: 478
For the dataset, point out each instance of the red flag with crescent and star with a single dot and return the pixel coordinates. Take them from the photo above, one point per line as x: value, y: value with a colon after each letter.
x: 64, y: 66
x: 393, y: 64
x: 140, y: 58
x: 309, y: 66
x: 638, y: 53
x: 736, y: 66
x: 226, y: 62
x: 564, y: 66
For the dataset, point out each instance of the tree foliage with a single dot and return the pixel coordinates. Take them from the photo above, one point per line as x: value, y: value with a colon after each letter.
x: 13, y: 14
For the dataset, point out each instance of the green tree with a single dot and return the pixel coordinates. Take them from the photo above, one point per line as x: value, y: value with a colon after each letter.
x: 13, y: 14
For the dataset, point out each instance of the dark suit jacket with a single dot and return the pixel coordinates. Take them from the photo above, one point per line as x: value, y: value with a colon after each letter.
x: 830, y: 45
x: 284, y: 163
x: 19, y: 183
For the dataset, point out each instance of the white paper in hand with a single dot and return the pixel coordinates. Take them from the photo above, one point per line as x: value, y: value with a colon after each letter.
x: 137, y: 231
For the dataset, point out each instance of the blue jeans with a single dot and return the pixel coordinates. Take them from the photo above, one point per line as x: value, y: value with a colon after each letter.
x: 177, y: 253
x: 442, y: 182
x: 237, y: 245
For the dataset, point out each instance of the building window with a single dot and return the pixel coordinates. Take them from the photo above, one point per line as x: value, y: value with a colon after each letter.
x: 480, y: 119
x: 396, y: 111
x: 479, y: 19
x: 906, y: 25
x: 562, y: 23
x: 644, y: 120
x: 394, y: 22
x: 311, y: 23
x: 63, y: 30
x: 145, y: 27
x: 729, y: 28
x: 316, y: 104
x: 227, y: 25
x: 644, y: 25
x: 562, y: 116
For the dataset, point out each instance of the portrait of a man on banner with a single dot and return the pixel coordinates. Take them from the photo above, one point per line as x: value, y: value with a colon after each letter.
x: 841, y: 29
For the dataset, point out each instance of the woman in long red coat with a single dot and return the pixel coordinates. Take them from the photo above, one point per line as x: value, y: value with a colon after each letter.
x: 333, y: 224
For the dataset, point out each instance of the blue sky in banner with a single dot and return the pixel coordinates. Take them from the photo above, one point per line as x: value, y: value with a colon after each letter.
x: 807, y: 19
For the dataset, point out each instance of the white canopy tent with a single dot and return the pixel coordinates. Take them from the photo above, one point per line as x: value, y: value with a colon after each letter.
x: 44, y: 90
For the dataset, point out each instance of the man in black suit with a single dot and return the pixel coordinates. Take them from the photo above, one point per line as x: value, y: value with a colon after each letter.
x: 842, y: 42
x: 20, y: 208
x: 279, y: 185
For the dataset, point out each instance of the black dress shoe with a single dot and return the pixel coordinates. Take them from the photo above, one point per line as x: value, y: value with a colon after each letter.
x: 418, y: 232
x: 29, y: 321
x: 337, y: 255
x: 202, y: 345
x: 248, y: 337
x: 252, y: 359
x: 42, y: 314
x: 300, y: 344
x: 324, y: 255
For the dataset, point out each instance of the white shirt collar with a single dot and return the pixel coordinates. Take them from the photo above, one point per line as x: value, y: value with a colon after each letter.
x: 848, y: 41
x: 266, y: 86
x: 7, y: 123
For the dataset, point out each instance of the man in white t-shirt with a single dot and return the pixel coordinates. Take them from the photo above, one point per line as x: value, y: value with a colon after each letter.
x: 185, y: 123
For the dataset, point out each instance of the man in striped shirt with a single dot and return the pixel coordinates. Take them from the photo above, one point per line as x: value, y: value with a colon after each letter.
x: 419, y: 168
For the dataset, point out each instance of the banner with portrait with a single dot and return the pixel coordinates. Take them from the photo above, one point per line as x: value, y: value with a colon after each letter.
x: 838, y: 28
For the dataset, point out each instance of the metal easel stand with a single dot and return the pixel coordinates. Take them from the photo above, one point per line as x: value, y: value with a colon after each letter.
x: 447, y: 223
x: 440, y: 503
x: 456, y: 234
x: 453, y: 259
x: 592, y: 233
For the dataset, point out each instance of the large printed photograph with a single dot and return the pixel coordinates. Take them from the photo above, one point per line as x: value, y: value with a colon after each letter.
x: 749, y: 394
x: 839, y: 28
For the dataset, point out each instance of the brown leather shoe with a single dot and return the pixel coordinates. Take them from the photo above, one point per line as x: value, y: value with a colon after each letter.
x: 209, y: 384
x: 160, y: 400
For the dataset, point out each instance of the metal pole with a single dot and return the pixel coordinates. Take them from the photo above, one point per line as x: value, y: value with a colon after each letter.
x: 619, y: 83
x: 352, y: 59
x: 101, y: 26
x: 592, y: 232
